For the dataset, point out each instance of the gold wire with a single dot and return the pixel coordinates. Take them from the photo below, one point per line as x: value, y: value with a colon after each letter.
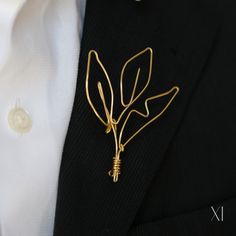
x: 111, y: 123
x: 87, y: 86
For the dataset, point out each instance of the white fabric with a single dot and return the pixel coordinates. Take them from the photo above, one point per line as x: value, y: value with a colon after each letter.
x: 39, y: 51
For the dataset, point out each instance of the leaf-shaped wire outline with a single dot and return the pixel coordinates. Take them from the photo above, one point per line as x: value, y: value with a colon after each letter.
x: 146, y: 115
x: 133, y: 97
x: 109, y: 113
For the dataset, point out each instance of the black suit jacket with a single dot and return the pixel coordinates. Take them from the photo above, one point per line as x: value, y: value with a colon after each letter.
x: 178, y: 176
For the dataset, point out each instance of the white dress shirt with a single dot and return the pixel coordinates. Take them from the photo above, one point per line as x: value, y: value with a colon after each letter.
x: 39, y: 51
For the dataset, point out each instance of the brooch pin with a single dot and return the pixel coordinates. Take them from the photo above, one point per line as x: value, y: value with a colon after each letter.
x: 117, y: 126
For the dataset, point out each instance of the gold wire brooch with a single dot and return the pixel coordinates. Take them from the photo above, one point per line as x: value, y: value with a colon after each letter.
x: 117, y: 126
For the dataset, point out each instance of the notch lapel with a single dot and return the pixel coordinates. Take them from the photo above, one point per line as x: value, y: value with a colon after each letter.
x: 89, y: 203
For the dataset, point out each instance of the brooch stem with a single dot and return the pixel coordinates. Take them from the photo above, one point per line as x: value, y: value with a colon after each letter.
x: 116, y: 168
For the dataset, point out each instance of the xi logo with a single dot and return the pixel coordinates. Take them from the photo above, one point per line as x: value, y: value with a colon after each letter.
x: 218, y: 214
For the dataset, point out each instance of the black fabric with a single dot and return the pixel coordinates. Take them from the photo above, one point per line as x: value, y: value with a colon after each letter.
x: 201, y: 222
x: 181, y: 165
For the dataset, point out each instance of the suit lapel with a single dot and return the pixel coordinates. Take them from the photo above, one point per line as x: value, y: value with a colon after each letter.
x: 89, y: 203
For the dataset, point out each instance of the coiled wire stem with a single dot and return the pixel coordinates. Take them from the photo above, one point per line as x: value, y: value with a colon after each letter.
x: 116, y: 168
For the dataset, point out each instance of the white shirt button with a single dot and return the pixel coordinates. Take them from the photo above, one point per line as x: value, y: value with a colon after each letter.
x: 19, y: 120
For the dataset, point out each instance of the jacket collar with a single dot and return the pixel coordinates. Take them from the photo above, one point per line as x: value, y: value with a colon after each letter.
x: 89, y: 203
